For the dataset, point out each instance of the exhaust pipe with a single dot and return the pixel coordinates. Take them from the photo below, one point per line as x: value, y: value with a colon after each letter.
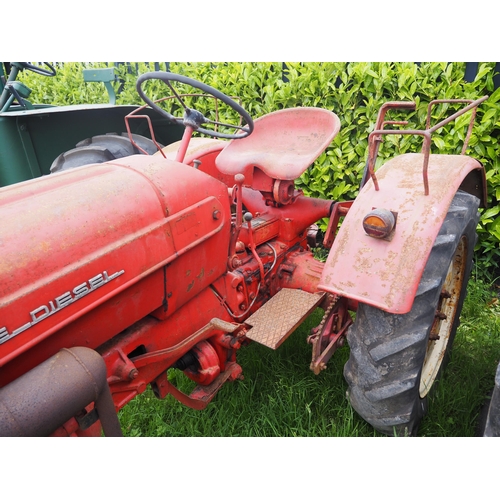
x: 43, y: 399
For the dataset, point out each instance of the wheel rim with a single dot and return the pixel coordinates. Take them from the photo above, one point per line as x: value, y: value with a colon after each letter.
x: 445, y: 318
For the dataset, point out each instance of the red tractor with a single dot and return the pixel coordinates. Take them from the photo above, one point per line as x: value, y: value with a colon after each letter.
x: 113, y: 273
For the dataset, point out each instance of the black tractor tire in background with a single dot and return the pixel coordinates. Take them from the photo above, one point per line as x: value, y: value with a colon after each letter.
x: 101, y: 148
x: 393, y: 361
x: 488, y: 424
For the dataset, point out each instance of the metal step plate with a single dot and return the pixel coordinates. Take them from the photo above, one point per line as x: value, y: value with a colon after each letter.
x: 281, y: 315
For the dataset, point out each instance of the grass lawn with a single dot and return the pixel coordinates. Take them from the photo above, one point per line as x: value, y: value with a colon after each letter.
x: 280, y: 396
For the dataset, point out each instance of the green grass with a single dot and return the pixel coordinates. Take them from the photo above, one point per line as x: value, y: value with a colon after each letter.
x: 280, y: 396
x: 469, y: 376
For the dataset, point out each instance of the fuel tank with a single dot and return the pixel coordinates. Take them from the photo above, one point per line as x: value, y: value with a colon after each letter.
x: 88, y: 252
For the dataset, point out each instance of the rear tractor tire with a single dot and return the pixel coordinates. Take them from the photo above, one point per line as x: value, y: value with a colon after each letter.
x: 101, y: 148
x: 395, y: 359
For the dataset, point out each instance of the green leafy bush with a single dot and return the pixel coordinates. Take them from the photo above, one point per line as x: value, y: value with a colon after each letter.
x: 355, y: 92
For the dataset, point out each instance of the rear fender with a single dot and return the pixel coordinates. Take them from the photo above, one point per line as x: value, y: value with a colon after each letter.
x: 383, y: 273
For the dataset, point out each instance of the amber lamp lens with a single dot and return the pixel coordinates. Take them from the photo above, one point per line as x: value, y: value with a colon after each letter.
x: 379, y: 223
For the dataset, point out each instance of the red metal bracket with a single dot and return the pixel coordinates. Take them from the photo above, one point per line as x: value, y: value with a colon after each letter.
x: 339, y: 210
x: 201, y: 395
x: 134, y: 114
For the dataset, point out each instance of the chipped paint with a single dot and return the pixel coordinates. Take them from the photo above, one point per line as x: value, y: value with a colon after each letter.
x: 382, y: 273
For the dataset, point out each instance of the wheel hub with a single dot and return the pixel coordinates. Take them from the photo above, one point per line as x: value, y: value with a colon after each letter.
x: 445, y: 317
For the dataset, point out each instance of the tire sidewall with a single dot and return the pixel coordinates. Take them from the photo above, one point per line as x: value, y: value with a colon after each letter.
x: 388, y: 350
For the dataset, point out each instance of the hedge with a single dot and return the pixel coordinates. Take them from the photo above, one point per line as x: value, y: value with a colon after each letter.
x: 355, y: 92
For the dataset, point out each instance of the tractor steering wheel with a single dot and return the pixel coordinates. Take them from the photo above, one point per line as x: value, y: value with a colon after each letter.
x: 192, y: 117
x: 39, y: 70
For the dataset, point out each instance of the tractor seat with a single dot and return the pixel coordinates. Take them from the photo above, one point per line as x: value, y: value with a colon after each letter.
x: 283, y: 144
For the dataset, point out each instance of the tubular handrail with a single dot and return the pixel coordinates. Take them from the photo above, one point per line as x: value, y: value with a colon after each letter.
x: 375, y: 137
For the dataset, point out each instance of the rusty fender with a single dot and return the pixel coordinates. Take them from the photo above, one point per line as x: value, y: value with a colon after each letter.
x: 385, y: 273
x: 46, y: 397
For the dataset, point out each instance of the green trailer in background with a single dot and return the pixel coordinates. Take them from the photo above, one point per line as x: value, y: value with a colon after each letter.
x: 33, y: 136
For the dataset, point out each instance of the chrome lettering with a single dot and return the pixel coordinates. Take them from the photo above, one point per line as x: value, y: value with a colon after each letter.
x: 20, y: 330
x: 4, y: 335
x: 35, y: 319
x: 81, y: 290
x: 113, y: 276
x: 64, y: 300
x: 96, y: 281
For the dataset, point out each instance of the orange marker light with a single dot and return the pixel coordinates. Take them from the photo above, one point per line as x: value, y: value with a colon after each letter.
x: 379, y: 223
